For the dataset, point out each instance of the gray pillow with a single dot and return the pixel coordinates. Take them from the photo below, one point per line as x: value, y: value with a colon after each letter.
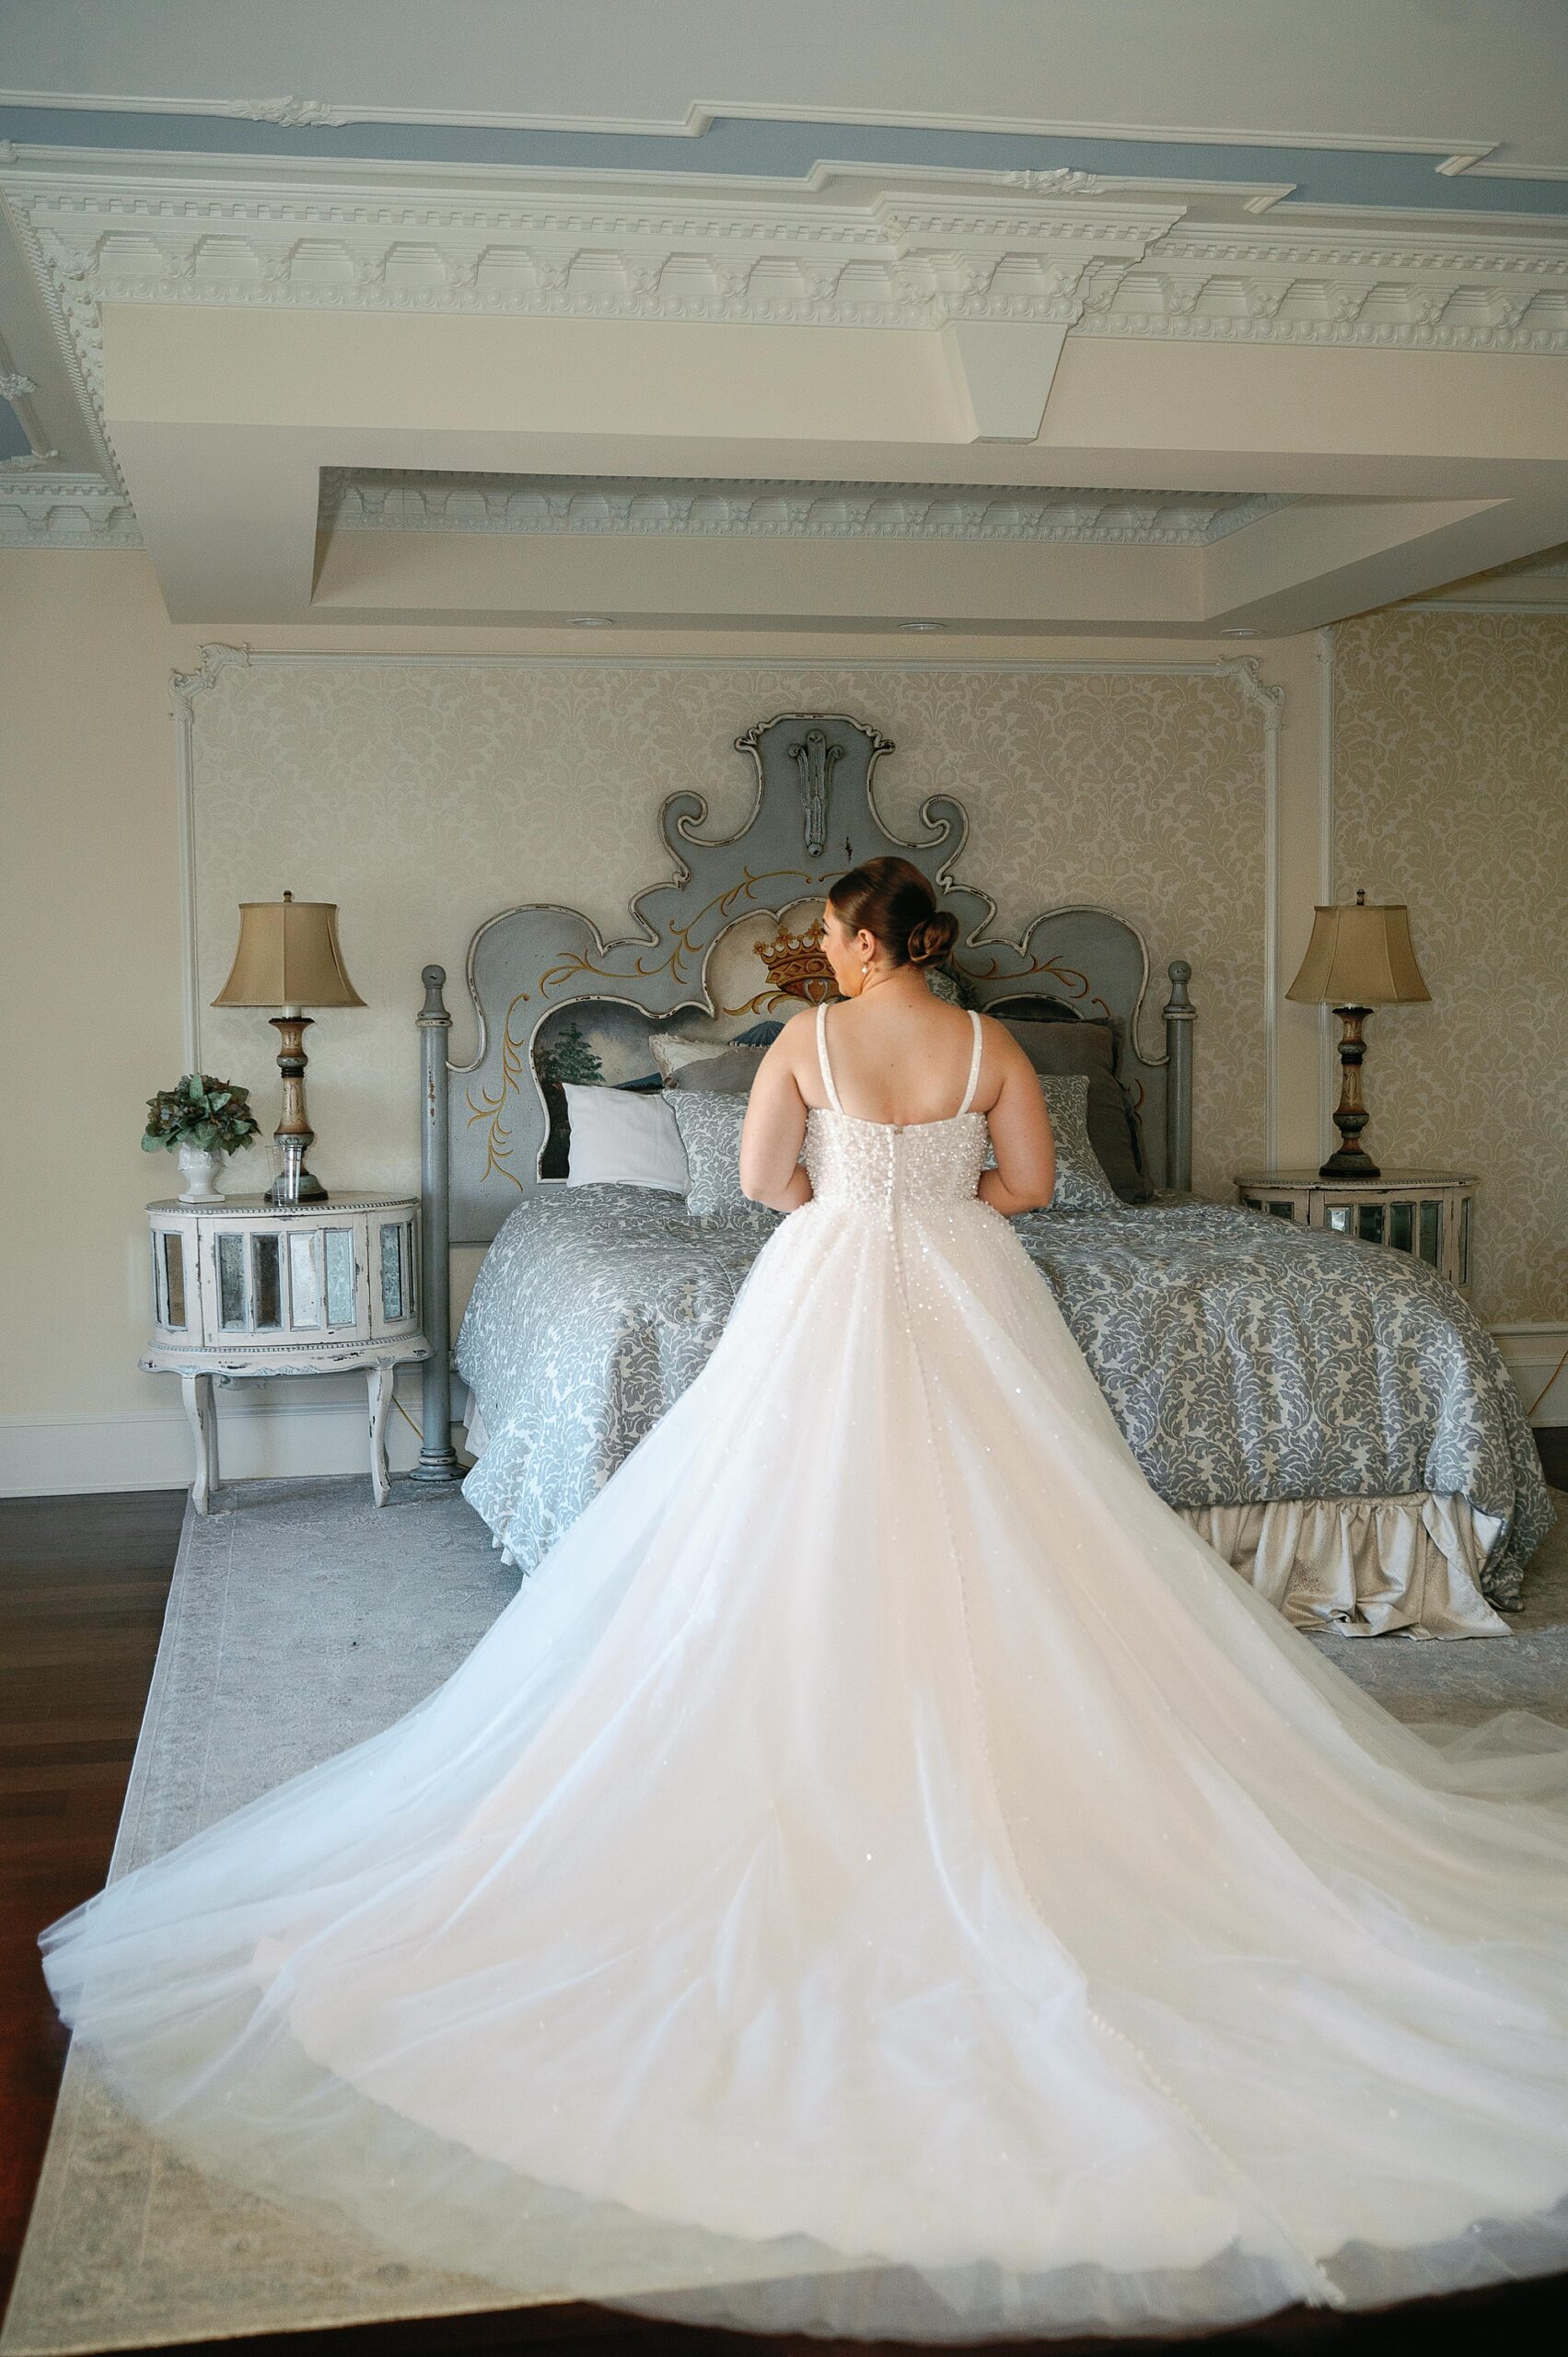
x: 729, y: 1073
x: 1080, y: 1184
x: 1112, y: 1121
x: 710, y: 1131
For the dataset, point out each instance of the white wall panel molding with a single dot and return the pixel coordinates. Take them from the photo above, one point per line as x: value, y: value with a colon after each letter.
x: 387, y: 500
x: 1270, y: 701
x: 190, y: 691
x: 1328, y: 1057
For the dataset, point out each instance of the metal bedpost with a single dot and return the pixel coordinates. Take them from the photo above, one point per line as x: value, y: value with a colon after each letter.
x: 1180, y: 1011
x: 437, y: 1457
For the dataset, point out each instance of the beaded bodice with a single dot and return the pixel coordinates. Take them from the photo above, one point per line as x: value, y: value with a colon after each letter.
x: 871, y: 1165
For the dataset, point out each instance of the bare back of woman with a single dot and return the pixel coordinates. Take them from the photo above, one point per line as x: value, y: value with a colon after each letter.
x: 899, y: 1056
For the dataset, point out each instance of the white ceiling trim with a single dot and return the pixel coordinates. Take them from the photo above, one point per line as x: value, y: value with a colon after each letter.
x: 390, y: 501
x: 863, y: 247
x: 908, y: 253
x: 40, y: 509
x: 702, y: 114
x: 1219, y: 199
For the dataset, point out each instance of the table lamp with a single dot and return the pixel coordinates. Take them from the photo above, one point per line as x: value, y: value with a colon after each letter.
x: 1358, y: 958
x: 288, y: 958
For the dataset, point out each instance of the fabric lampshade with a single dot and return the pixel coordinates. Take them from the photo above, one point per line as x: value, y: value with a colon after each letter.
x: 1360, y: 956
x: 288, y: 955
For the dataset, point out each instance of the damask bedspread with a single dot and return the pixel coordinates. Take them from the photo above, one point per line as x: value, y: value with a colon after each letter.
x: 1246, y: 1360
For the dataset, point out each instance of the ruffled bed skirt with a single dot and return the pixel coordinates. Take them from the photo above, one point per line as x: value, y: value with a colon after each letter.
x: 1375, y: 1567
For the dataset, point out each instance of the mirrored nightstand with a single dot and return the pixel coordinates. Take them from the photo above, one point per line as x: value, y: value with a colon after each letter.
x: 242, y: 1287
x: 1427, y: 1213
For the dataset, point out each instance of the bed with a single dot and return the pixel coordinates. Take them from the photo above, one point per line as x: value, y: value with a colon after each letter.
x: 1328, y: 1412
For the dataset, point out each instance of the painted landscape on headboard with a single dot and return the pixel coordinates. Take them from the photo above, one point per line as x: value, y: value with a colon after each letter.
x: 760, y: 971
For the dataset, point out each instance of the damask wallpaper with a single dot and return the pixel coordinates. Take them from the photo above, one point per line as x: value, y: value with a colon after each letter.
x: 425, y: 796
x: 1451, y: 794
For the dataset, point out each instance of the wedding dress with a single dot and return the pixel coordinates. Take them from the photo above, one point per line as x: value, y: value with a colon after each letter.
x: 884, y: 1874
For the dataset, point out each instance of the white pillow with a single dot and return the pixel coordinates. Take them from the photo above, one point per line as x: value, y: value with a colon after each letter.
x: 623, y: 1137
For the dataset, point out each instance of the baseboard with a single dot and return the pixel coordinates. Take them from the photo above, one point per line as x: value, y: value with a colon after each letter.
x: 258, y: 1437
x: 270, y: 1429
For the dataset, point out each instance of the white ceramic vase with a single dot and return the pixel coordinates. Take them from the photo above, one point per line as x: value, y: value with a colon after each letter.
x: 199, y: 1167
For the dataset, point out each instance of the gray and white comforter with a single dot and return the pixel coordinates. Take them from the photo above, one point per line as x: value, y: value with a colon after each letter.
x: 1246, y: 1358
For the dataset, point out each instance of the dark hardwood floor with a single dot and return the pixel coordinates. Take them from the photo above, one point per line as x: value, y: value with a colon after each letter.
x: 83, y: 1582
x: 83, y: 1585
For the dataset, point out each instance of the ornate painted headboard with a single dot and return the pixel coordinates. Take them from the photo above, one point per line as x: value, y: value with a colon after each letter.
x: 723, y: 945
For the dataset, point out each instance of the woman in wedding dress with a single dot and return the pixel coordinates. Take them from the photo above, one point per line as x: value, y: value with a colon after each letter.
x: 884, y: 1873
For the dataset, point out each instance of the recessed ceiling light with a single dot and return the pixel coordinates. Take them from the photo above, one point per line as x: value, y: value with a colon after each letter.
x: 922, y: 625
x: 1241, y: 634
x: 592, y: 622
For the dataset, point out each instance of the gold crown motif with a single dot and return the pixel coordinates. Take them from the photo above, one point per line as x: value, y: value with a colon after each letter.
x: 797, y: 964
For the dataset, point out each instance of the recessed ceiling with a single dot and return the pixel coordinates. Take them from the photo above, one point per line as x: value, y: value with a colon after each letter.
x: 1248, y: 321
x: 414, y: 500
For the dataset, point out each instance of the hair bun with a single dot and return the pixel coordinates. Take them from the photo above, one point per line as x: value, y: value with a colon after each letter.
x: 892, y: 899
x: 932, y: 937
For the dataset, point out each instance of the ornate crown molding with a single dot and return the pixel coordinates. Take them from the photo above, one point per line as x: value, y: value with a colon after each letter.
x: 834, y: 255
x: 855, y: 249
x: 1502, y: 293
x: 41, y: 508
x: 400, y: 501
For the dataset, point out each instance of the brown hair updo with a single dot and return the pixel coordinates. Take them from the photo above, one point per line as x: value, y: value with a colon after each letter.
x: 892, y: 899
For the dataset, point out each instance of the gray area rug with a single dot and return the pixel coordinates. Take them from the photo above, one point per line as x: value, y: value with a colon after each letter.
x: 300, y: 1621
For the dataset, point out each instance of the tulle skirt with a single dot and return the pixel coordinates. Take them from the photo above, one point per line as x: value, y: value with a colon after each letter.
x: 883, y: 1875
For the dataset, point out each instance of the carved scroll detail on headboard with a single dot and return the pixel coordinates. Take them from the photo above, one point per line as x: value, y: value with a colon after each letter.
x: 813, y: 817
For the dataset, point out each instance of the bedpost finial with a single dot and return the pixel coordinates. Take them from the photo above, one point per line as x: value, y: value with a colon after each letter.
x: 435, y: 1004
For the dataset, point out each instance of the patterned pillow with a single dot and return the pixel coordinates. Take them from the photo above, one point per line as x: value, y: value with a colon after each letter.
x: 1080, y: 1184
x: 710, y: 1131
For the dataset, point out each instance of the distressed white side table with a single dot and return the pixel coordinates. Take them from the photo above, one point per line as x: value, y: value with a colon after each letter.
x: 242, y: 1287
x: 1425, y: 1213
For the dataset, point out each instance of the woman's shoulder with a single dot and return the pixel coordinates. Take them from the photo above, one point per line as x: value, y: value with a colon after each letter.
x: 1000, y: 1046
x: 793, y: 1038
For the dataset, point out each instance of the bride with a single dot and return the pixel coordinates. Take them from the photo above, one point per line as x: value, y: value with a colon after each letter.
x: 884, y: 1874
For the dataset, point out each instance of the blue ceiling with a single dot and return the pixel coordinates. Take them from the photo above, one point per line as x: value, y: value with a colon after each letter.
x: 13, y: 443
x: 742, y: 146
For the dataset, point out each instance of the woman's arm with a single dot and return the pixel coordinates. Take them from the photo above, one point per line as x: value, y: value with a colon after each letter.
x: 1025, y: 1175
x: 774, y: 1128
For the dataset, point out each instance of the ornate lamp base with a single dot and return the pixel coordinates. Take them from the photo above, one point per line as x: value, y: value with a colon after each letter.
x: 293, y: 1183
x: 294, y: 1137
x: 1350, y: 1158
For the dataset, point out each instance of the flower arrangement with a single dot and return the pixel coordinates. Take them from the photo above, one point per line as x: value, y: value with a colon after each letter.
x: 201, y: 1111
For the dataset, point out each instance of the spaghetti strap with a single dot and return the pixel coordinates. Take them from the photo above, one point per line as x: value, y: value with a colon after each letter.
x: 822, y: 1056
x: 975, y: 1064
